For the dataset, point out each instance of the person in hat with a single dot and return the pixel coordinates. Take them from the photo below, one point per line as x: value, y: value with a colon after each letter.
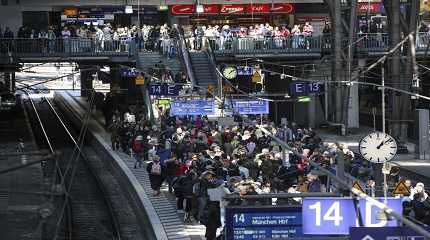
x: 138, y: 148
x: 419, y: 189
x: 212, y: 216
x: 156, y: 173
x: 314, y: 184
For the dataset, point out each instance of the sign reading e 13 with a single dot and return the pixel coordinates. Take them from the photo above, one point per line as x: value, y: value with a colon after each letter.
x: 325, y: 216
x: 304, y: 88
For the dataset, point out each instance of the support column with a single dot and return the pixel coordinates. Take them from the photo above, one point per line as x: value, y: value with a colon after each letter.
x: 400, y: 103
x: 423, y: 134
x: 13, y: 82
x: 7, y: 80
x: 354, y: 104
x: 86, y: 81
x: 338, y: 70
x: 312, y: 111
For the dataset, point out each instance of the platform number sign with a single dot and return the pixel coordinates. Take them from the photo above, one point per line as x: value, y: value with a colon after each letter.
x: 332, y: 213
x: 164, y: 90
x: 304, y: 88
x: 335, y: 216
x: 239, y: 218
x: 325, y: 217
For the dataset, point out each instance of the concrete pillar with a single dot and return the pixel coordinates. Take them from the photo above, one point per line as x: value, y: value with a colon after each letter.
x: 86, y: 81
x: 354, y: 105
x: 13, y: 82
x: 423, y: 134
x: 338, y: 67
x: 7, y: 80
x: 312, y: 110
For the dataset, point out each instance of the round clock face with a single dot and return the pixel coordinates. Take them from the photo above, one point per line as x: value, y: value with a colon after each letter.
x: 378, y: 147
x: 229, y: 72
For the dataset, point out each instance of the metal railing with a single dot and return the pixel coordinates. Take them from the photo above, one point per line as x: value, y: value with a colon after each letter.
x: 185, y: 57
x: 21, y: 47
x: 249, y: 45
x: 295, y: 44
x: 380, y: 42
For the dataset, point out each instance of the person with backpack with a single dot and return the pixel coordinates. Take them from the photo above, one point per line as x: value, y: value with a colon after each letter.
x: 137, y: 148
x: 172, y: 166
x: 184, y: 187
x: 156, y: 173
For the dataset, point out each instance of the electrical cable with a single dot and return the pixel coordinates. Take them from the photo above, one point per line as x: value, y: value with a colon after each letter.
x: 78, y: 147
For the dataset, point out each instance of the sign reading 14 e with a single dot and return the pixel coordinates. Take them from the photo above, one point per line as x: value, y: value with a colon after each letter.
x: 324, y: 216
x: 164, y: 90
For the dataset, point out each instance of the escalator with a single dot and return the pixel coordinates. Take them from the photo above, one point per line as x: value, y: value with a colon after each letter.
x: 204, y: 70
x: 147, y: 61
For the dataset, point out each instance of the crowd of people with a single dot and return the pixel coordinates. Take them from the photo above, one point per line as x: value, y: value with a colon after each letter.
x: 95, y: 38
x: 201, y: 161
x: 164, y: 38
x: 417, y: 205
x: 258, y: 36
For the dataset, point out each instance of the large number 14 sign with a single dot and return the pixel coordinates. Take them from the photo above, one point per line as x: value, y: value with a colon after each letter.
x: 324, y: 216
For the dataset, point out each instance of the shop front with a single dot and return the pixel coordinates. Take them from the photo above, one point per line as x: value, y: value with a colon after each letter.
x: 232, y: 14
x: 368, y: 12
x: 116, y: 16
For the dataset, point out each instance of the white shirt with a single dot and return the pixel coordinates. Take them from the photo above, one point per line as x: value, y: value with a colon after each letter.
x: 218, y: 193
x: 65, y: 34
x: 244, y: 171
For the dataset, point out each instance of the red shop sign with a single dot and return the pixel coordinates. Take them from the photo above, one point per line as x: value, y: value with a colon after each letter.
x: 282, y: 8
x: 373, y: 7
x: 258, y: 8
x: 210, y: 8
x: 186, y: 9
x: 232, y: 8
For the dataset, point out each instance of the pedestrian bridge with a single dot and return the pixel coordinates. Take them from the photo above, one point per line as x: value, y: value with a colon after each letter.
x: 302, y: 47
x: 62, y: 50
x: 295, y: 47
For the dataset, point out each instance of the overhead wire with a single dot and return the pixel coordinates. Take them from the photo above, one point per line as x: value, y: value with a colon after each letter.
x: 77, y: 147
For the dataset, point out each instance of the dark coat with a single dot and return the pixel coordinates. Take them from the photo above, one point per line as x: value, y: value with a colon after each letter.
x: 156, y: 180
x: 184, y: 185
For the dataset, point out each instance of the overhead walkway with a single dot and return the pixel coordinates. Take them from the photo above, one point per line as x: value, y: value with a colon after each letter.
x: 300, y: 47
x: 160, y: 210
x: 62, y: 50
x: 124, y: 50
x: 291, y: 47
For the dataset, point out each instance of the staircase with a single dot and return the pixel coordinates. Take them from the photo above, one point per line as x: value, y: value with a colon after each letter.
x: 203, y: 70
x: 149, y: 59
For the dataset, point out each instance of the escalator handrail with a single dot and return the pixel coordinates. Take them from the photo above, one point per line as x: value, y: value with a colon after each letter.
x: 212, y: 63
x: 186, y: 58
x: 144, y: 89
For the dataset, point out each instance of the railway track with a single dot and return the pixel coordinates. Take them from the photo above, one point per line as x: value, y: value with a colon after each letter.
x: 88, y: 203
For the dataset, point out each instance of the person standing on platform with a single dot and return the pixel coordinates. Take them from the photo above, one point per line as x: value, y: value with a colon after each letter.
x: 115, y: 135
x: 156, y: 173
x: 138, y: 149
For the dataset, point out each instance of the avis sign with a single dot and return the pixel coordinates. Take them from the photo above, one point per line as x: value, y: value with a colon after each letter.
x: 335, y: 216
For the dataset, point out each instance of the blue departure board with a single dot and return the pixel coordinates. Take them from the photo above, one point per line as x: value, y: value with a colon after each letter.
x: 263, y: 223
x: 192, y: 107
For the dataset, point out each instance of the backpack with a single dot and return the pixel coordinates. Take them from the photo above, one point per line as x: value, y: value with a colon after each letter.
x: 137, y: 146
x: 156, y: 169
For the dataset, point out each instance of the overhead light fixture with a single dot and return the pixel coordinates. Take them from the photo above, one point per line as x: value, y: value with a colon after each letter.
x: 163, y: 8
x: 129, y: 9
x: 200, y: 9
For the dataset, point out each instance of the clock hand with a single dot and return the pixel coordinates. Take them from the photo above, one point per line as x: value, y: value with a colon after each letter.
x: 231, y: 71
x: 380, y: 145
